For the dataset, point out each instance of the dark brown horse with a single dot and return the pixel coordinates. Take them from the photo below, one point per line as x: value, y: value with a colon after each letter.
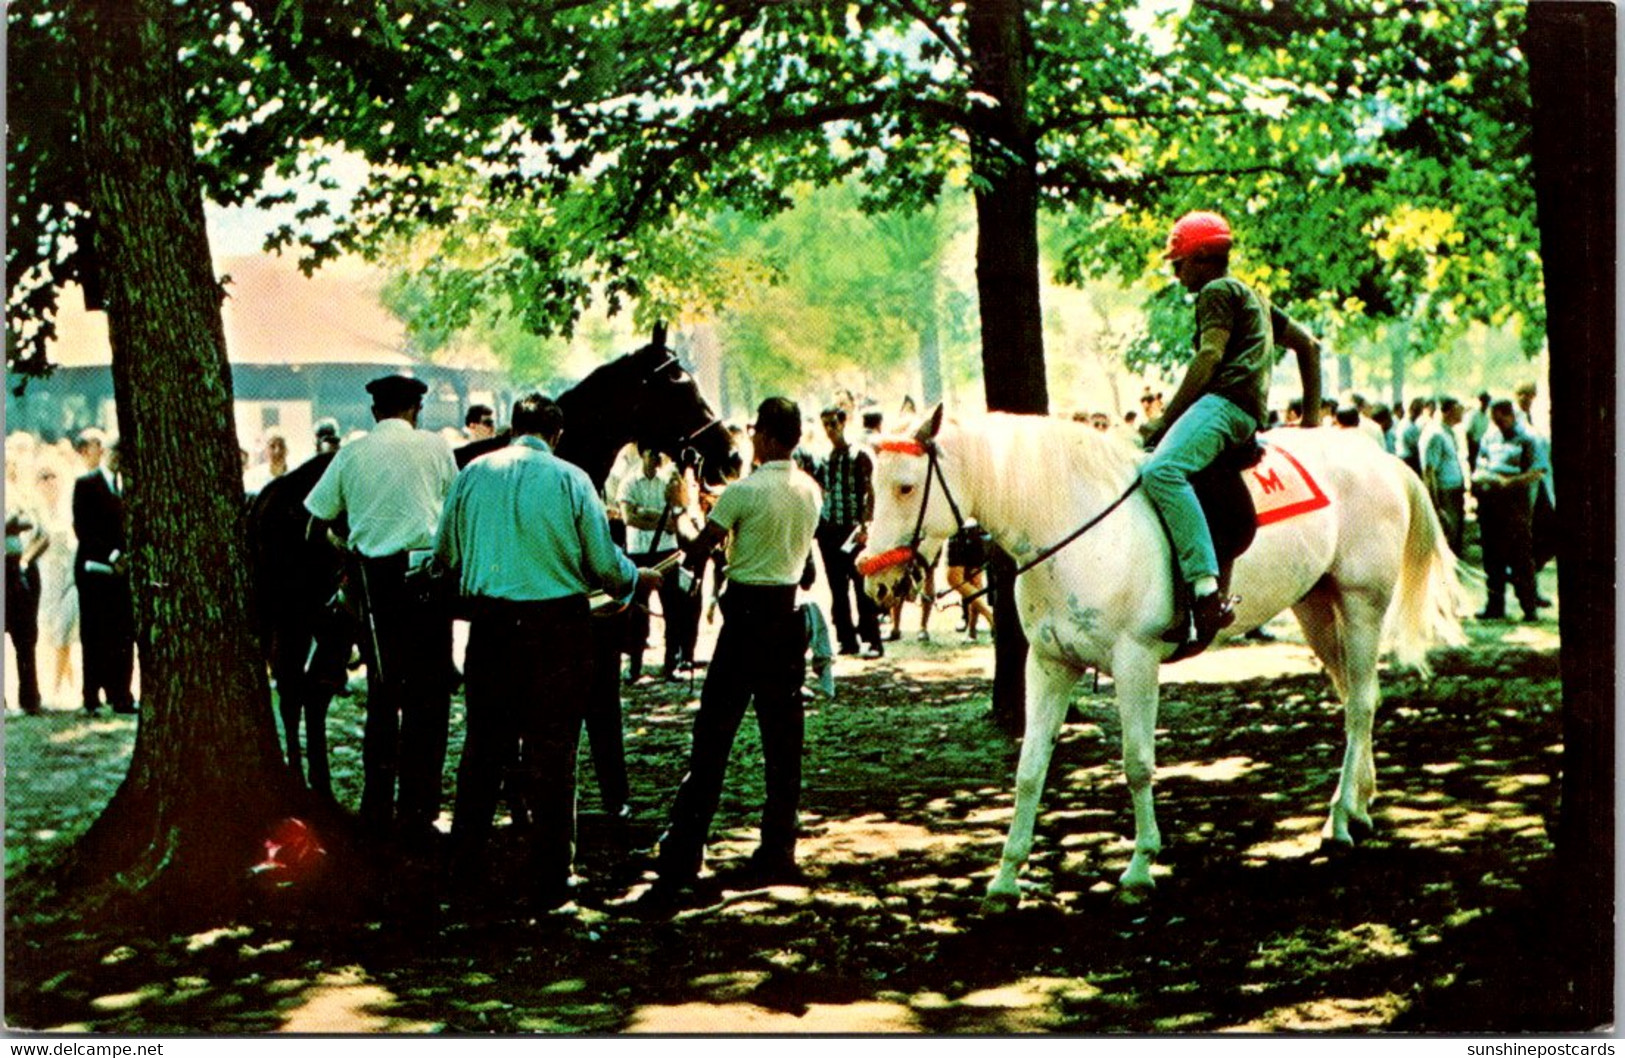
x: 646, y: 396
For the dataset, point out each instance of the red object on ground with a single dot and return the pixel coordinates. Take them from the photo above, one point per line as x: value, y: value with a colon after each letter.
x: 292, y: 849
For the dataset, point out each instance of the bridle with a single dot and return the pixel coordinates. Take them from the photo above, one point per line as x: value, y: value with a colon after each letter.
x: 714, y: 422
x: 910, y: 553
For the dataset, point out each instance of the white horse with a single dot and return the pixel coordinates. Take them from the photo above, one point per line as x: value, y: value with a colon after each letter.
x: 1371, y: 559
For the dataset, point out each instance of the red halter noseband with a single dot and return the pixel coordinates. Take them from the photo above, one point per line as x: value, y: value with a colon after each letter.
x: 910, y: 554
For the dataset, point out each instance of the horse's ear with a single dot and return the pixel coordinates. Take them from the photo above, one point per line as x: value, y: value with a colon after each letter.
x: 928, y: 429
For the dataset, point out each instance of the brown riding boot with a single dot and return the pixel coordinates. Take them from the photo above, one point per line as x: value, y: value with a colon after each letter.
x: 1211, y: 614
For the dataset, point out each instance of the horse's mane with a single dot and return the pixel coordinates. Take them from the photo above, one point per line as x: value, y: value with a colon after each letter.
x: 1048, y: 452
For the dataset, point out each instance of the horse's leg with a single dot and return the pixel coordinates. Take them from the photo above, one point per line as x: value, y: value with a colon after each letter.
x: 325, y: 672
x: 289, y: 690
x: 1361, y: 638
x: 1317, y: 616
x: 321, y: 779
x: 1135, y: 668
x: 1049, y: 686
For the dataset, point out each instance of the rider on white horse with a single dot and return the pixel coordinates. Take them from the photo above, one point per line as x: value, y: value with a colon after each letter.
x: 1220, y: 403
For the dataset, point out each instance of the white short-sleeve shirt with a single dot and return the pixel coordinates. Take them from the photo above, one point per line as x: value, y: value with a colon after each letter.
x: 391, y: 484
x: 771, y: 516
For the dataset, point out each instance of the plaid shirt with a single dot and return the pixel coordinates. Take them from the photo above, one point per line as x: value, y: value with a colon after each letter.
x: 849, y: 496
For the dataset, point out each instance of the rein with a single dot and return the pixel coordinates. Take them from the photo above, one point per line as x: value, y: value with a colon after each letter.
x: 911, y: 553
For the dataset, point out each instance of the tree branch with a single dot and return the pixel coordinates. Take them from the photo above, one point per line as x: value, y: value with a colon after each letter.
x: 1102, y: 116
x: 933, y: 27
x: 1076, y: 178
x: 1287, y: 17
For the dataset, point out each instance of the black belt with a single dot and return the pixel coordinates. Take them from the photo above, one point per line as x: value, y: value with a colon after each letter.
x: 760, y: 597
x: 487, y: 608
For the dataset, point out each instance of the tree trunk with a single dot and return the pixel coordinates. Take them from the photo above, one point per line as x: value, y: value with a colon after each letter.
x: 1005, y: 178
x: 207, y: 779
x: 1571, y: 53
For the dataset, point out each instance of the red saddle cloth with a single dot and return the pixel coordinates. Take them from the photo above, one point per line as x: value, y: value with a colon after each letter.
x: 1251, y: 485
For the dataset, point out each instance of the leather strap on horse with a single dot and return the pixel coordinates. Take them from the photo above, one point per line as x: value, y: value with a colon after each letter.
x: 933, y: 470
x: 1053, y: 548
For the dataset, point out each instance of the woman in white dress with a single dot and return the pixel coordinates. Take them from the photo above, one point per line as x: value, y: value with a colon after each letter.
x: 59, y: 602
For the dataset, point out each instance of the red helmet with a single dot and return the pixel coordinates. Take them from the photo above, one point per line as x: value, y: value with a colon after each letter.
x: 1195, y: 232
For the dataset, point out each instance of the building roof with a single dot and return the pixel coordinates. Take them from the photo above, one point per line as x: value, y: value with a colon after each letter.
x: 273, y: 314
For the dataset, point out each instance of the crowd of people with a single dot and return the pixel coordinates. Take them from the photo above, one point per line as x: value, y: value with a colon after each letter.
x: 555, y: 577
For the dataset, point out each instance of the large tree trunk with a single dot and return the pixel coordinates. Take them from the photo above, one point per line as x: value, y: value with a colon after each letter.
x: 206, y: 779
x: 1571, y: 64
x: 1004, y: 164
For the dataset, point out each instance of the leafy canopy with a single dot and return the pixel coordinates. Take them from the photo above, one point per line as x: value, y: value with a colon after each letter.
x: 1372, y: 156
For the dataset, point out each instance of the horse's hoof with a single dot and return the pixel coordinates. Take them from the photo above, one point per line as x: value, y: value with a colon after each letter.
x: 1134, y: 895
x: 1000, y: 903
x: 1334, y: 846
x: 1140, y: 886
x: 1360, y: 829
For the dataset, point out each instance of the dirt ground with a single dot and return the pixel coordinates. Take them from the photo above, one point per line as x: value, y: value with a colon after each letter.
x: 1437, y: 923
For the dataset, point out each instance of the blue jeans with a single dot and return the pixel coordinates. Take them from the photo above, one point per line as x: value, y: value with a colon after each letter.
x: 1195, y: 440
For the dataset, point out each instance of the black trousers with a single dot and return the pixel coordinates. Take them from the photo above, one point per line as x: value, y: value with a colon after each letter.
x: 1504, y: 532
x: 1449, y: 504
x: 844, y: 583
x: 1543, y: 531
x: 22, y: 626
x: 526, y: 678
x: 604, y: 734
x: 407, y: 647
x: 760, y: 658
x: 674, y: 611
x: 106, y: 638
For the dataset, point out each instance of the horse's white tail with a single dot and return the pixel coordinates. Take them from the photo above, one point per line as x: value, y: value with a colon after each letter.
x: 1428, y: 605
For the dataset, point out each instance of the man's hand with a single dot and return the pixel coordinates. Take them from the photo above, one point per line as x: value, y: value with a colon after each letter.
x: 650, y: 578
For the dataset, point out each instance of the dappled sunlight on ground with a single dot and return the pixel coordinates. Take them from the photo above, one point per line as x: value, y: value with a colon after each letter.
x: 1253, y: 925
x: 736, y: 1018
x: 343, y: 1001
x: 1326, y: 1015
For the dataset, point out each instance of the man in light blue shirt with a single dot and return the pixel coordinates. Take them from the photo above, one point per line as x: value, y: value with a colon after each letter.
x: 1441, y: 471
x: 529, y: 539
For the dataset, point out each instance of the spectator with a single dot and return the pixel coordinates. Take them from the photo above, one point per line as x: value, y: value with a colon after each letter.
x: 480, y: 423
x: 106, y: 617
x: 1441, y: 471
x: 1476, y: 426
x: 274, y: 466
x: 528, y: 537
x: 1384, y: 418
x: 769, y: 520
x: 846, y: 476
x: 327, y: 436
x: 1543, y: 525
x: 1504, y: 485
x: 59, y: 601
x: 25, y: 543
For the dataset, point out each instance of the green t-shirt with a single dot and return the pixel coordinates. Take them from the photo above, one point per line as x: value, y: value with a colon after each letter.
x: 1243, y: 374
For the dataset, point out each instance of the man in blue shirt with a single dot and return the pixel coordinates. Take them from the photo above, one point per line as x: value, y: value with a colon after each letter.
x: 529, y: 538
x: 1441, y: 471
x: 1504, y: 484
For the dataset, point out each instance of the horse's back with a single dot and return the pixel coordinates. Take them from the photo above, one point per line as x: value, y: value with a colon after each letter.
x: 1355, y: 537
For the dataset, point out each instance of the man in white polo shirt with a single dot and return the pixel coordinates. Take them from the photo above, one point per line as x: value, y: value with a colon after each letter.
x: 768, y: 520
x: 391, y: 485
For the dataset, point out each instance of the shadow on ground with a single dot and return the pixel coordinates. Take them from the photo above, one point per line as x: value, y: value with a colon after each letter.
x: 1435, y: 924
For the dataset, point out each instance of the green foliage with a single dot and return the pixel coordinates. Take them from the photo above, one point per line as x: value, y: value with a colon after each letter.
x: 1374, y: 163
x: 557, y: 157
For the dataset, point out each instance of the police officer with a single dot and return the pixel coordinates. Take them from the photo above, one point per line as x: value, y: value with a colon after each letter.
x: 391, y: 485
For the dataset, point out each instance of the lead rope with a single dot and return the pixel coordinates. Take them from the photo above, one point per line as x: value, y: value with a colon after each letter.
x: 1053, y: 548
